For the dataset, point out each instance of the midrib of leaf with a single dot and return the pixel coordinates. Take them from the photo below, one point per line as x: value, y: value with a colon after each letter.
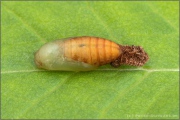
x: 147, y: 70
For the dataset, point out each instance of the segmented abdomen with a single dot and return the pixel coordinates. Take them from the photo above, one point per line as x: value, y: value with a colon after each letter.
x: 92, y: 50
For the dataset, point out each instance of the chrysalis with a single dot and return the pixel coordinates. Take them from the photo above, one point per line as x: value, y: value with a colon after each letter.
x: 87, y: 53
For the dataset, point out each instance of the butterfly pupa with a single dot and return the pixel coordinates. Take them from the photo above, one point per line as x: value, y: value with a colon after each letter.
x: 87, y: 53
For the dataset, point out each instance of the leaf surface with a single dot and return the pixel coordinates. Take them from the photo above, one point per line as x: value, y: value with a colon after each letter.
x: 149, y: 92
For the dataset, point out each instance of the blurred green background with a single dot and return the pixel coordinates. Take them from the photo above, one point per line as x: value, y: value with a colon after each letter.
x: 149, y: 92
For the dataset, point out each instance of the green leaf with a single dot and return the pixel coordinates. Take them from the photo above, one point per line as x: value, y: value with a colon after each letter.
x: 149, y: 92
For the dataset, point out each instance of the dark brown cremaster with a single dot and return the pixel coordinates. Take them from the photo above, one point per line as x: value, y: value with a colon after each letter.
x: 131, y: 55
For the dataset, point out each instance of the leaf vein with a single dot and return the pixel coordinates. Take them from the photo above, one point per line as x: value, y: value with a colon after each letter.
x: 120, y: 96
x: 147, y: 70
x: 49, y: 92
x: 30, y: 28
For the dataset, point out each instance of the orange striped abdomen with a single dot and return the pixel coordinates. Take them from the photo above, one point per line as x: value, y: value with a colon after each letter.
x: 92, y: 50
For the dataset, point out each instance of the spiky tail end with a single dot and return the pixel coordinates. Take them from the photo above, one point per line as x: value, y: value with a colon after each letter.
x: 131, y: 55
